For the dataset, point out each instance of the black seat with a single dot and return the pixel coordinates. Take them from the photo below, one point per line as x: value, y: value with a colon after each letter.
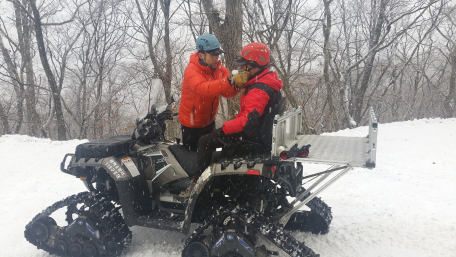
x: 187, y: 158
x: 98, y: 149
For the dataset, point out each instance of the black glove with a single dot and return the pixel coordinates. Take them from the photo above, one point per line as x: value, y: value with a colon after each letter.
x: 219, y: 132
x: 294, y: 151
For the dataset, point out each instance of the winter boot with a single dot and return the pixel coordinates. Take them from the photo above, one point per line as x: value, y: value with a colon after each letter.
x: 184, y: 195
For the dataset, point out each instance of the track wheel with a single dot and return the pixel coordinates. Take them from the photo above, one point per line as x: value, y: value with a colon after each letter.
x: 60, y: 246
x: 89, y: 250
x: 196, y: 249
x: 40, y: 229
x: 39, y: 232
x: 109, y: 243
x: 75, y: 249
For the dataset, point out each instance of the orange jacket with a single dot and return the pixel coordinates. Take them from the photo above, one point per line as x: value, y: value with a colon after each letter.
x: 201, y: 90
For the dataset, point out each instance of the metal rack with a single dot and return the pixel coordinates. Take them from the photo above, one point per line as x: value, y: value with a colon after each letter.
x: 343, y: 153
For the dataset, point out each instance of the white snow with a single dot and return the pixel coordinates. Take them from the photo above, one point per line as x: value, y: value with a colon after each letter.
x: 406, y: 206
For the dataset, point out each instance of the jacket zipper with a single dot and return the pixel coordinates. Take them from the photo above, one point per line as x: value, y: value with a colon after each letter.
x: 212, y: 106
x: 212, y: 110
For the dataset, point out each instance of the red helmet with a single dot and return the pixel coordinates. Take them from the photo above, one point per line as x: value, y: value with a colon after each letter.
x: 257, y: 52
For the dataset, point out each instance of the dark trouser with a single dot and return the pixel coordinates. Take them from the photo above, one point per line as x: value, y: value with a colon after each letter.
x: 190, y: 136
x: 206, y: 145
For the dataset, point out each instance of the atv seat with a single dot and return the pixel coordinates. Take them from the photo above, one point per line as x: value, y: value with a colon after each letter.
x: 98, y: 149
x: 187, y: 158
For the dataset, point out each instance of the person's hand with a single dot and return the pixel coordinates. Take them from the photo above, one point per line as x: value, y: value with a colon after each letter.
x: 239, y: 79
x: 219, y: 132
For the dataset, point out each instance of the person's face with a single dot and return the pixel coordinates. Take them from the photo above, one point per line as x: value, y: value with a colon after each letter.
x: 250, y: 69
x: 211, y: 60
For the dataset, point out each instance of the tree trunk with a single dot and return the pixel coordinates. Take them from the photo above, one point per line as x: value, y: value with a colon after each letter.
x: 360, y: 92
x: 25, y: 46
x: 450, y: 110
x: 4, y: 119
x: 344, y: 79
x: 61, y: 131
x: 17, y: 85
x: 229, y: 33
x: 332, y: 117
x: 167, y: 74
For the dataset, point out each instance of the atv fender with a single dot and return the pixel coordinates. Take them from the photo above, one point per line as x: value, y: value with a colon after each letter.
x: 135, y: 197
x: 112, y: 166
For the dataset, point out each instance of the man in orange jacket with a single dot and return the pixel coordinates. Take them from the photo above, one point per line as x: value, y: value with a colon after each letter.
x: 205, y: 79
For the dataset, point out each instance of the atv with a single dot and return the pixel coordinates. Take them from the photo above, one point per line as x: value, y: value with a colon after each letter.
x: 246, y: 202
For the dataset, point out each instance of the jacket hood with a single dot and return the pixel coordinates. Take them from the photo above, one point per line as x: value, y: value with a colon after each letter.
x: 194, y: 59
x: 267, y: 77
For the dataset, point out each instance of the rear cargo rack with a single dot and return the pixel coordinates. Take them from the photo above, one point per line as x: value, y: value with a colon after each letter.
x: 343, y: 153
x: 350, y: 151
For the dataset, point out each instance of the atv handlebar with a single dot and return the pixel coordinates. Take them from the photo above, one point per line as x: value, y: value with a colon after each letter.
x: 152, y: 127
x: 167, y: 115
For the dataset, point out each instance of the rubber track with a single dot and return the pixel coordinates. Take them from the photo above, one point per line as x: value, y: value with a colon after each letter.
x: 316, y: 221
x: 263, y: 225
x: 282, y: 239
x: 108, y: 217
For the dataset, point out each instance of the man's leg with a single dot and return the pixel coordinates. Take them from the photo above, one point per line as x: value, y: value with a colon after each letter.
x: 206, y: 145
x: 190, y: 136
x: 187, y: 139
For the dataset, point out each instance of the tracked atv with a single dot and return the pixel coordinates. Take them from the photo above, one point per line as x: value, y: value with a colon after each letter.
x: 247, y: 196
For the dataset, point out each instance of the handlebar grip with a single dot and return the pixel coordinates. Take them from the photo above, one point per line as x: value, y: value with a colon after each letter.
x: 62, y: 164
x: 172, y: 115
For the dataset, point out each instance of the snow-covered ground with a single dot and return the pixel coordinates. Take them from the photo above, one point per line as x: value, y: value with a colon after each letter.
x: 404, y: 207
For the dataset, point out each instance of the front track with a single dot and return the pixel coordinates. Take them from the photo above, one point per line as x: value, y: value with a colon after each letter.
x: 95, y: 228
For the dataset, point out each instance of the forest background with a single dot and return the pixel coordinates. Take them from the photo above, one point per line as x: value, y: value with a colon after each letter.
x: 85, y: 69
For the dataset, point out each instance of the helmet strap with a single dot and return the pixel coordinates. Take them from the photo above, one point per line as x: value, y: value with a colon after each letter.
x: 202, y: 61
x: 253, y: 65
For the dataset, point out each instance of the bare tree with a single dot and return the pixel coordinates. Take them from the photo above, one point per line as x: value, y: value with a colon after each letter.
x: 24, y: 34
x: 327, y: 24
x: 157, y: 38
x: 227, y: 27
x: 197, y: 20
x: 291, y: 38
x: 25, y: 87
x: 448, y: 32
x: 18, y: 85
x: 335, y: 59
x: 4, y: 119
x: 61, y: 131
x: 102, y: 27
x: 387, y: 22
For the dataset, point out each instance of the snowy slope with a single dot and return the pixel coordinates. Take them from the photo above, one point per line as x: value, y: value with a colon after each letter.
x: 404, y: 207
